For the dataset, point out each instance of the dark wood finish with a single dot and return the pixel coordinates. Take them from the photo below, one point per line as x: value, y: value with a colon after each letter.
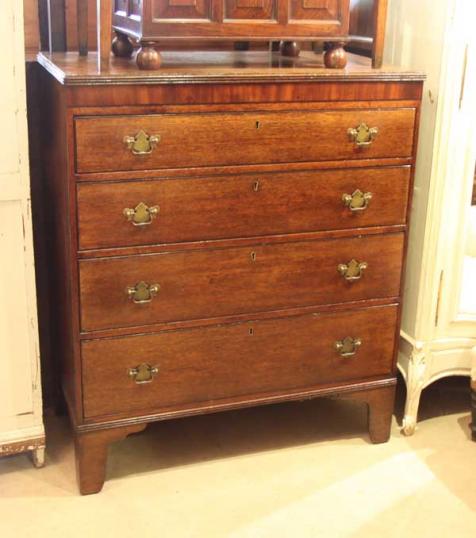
x: 151, y: 21
x: 122, y: 46
x: 361, y: 18
x: 82, y: 16
x: 148, y: 58
x: 290, y: 48
x: 204, y: 139
x: 51, y: 387
x: 104, y: 10
x: 52, y: 25
x: 225, y: 282
x: 71, y: 7
x: 380, y: 403
x: 156, y: 20
x: 31, y: 25
x: 368, y: 19
x: 361, y: 27
x: 257, y: 357
x: 380, y: 22
x: 222, y: 71
x: 239, y: 206
x: 280, y: 281
x: 61, y: 301
x: 335, y: 56
x: 91, y: 455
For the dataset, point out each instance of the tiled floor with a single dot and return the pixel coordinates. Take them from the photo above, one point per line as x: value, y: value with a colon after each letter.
x: 301, y: 470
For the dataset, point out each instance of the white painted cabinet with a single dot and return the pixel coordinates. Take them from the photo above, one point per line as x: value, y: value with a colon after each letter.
x: 21, y: 423
x: 438, y: 333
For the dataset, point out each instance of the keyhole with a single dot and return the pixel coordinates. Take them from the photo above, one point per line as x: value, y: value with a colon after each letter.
x: 258, y: 124
x: 251, y: 331
x: 253, y: 256
x: 256, y: 186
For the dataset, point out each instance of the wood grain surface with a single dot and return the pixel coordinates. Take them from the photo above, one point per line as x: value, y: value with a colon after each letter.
x: 204, y: 208
x: 205, y: 364
x: 214, y: 139
x: 222, y: 282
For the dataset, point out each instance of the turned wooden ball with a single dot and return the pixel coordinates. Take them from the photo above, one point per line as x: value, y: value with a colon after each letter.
x: 122, y: 47
x: 148, y: 58
x: 289, y: 48
x: 335, y: 57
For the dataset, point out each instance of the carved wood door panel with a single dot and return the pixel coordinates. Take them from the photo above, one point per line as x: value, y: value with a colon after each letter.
x: 181, y: 10
x: 251, y: 10
x: 316, y: 10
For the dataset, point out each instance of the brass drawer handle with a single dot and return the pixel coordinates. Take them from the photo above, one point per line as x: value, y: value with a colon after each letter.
x: 141, y: 215
x: 362, y: 135
x: 144, y: 373
x: 348, y: 347
x: 141, y: 143
x: 353, y: 270
x: 357, y: 201
x: 142, y: 292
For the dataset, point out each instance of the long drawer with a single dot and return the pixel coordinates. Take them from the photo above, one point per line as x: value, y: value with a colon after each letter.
x: 176, y: 210
x: 195, y: 366
x: 208, y: 283
x: 155, y: 141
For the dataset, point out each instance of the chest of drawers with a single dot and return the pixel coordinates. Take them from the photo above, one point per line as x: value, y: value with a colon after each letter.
x: 225, y: 233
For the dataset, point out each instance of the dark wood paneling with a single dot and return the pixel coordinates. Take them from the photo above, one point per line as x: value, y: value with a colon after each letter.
x: 52, y: 25
x: 31, y: 25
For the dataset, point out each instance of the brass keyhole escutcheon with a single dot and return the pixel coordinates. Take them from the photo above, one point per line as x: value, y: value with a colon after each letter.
x: 348, y: 346
x: 258, y: 124
x: 141, y: 215
x: 256, y: 185
x: 353, y: 270
x: 362, y: 135
x: 142, y: 292
x: 253, y: 256
x: 357, y: 201
x: 144, y: 373
x: 142, y: 143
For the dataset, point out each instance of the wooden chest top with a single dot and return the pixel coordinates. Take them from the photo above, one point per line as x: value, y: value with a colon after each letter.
x: 214, y: 67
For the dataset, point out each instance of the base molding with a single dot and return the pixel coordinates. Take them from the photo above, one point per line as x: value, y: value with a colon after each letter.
x: 219, y: 406
x: 92, y: 444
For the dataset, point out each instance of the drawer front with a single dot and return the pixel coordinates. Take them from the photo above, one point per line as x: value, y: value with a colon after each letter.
x: 107, y: 144
x: 239, y: 361
x: 211, y: 283
x: 176, y: 210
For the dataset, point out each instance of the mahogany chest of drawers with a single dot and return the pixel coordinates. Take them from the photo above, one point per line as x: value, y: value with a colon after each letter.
x: 225, y: 233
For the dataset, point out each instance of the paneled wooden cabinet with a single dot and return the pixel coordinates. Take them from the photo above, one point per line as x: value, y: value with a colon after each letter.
x: 21, y: 423
x: 214, y: 19
x: 150, y: 21
x: 227, y: 237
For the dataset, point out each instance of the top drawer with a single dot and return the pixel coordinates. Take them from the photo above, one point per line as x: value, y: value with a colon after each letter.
x: 167, y: 141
